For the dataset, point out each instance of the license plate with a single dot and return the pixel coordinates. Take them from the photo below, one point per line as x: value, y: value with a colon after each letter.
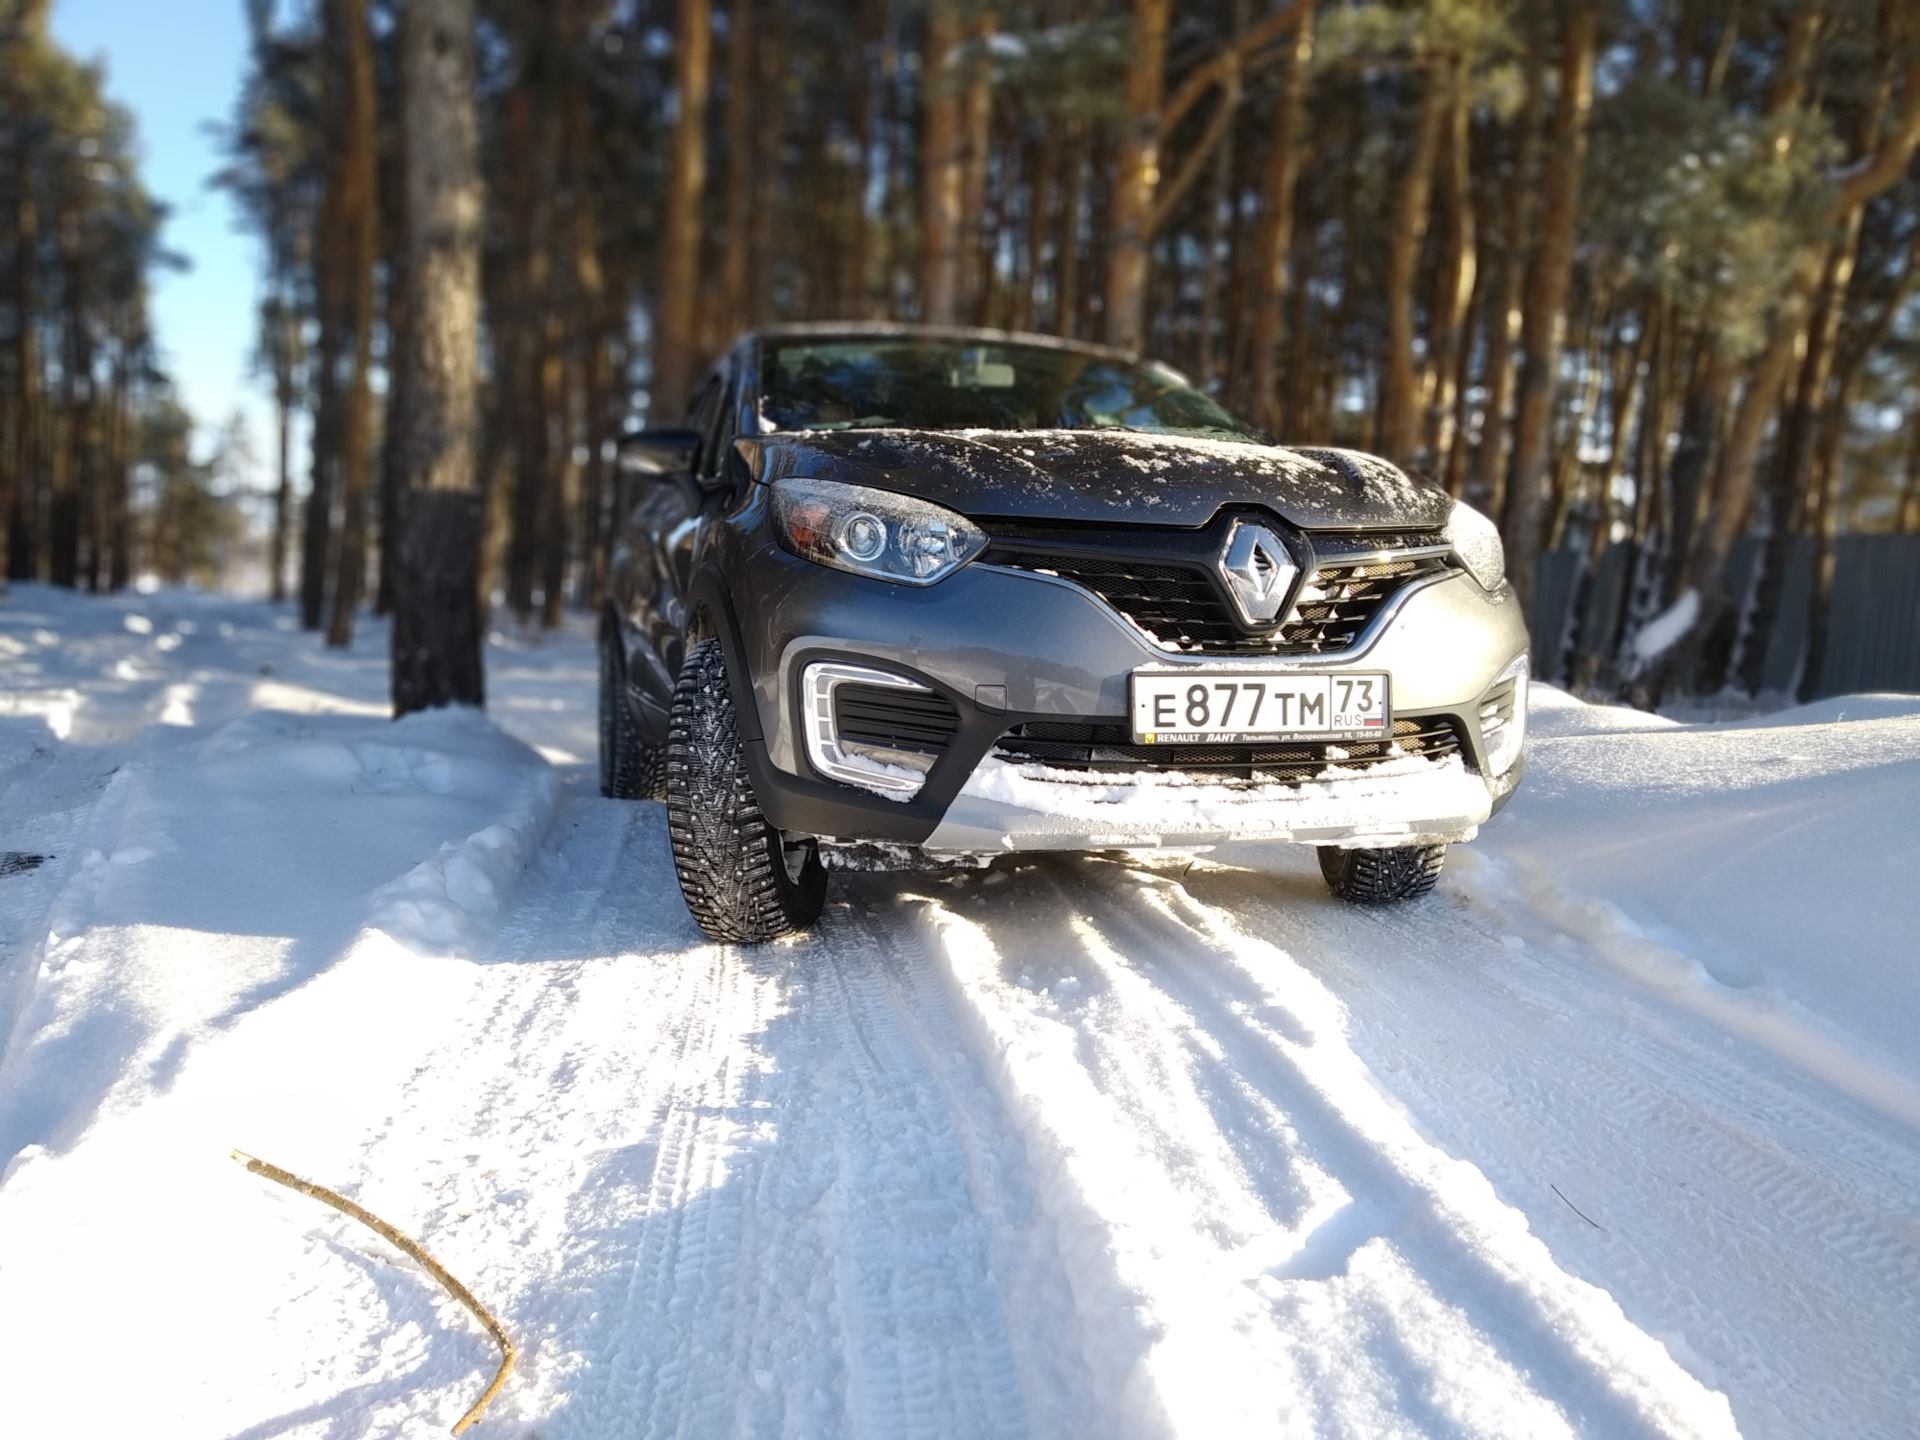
x: 1211, y: 707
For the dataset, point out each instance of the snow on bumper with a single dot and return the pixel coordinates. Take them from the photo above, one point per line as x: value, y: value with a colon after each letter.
x: 1006, y: 806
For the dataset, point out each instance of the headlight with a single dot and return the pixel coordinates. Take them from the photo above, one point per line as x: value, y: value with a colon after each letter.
x: 1476, y: 540
x: 872, y: 532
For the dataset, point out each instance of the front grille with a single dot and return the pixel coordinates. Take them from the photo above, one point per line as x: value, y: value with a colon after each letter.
x: 888, y: 718
x: 1340, y: 601
x: 1176, y: 604
x: 1106, y: 746
x: 1181, y: 606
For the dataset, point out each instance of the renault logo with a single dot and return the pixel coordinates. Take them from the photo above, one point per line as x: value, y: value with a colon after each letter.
x: 1258, y: 570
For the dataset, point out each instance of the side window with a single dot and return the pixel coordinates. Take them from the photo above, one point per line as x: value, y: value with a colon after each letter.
x: 705, y: 417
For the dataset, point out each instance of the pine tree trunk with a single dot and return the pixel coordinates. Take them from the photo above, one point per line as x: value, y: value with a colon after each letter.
x: 120, y: 464
x: 1910, y: 493
x: 1544, y: 325
x: 18, y: 466
x: 1042, y: 197
x: 283, y: 326
x: 398, y: 365
x: 1579, y: 652
x: 737, y: 257
x: 76, y: 364
x: 770, y: 121
x: 362, y: 217
x: 1565, y: 487
x: 533, y: 139
x: 436, y: 623
x: 1136, y: 176
x: 1788, y: 491
x: 316, y: 544
x: 1453, y: 284
x: 941, y: 166
x: 1399, y: 422
x: 976, y: 119
x: 1067, y: 287
x: 1503, y: 321
x: 1275, y: 243
x: 674, y: 360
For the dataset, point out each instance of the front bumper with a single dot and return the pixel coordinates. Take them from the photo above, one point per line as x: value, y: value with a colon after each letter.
x: 1008, y: 647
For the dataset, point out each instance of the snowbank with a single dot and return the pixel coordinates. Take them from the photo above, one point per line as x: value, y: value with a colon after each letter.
x: 1762, y: 868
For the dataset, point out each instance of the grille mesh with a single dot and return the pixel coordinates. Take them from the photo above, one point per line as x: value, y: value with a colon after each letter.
x: 1107, y: 746
x: 1182, y: 609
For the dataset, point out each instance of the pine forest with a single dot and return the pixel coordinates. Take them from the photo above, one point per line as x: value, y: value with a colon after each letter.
x: 1636, y: 278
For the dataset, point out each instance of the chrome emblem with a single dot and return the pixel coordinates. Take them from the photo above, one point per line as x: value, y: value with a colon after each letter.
x: 1259, y: 572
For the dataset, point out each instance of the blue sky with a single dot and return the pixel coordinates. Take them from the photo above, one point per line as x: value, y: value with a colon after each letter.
x: 177, y: 65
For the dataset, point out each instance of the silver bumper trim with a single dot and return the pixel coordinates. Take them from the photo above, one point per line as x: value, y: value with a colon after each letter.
x: 1028, y: 807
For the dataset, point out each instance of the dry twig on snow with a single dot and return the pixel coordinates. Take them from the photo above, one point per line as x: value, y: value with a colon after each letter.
x: 401, y: 1242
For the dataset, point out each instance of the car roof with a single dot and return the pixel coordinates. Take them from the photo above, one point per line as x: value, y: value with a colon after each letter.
x: 893, y: 330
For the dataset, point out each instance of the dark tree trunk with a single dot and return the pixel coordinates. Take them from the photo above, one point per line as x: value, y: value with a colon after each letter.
x: 1787, y: 493
x: 1406, y: 229
x: 1136, y: 176
x: 1275, y: 244
x: 362, y: 216
x: 283, y: 329
x: 941, y: 166
x: 1503, y: 319
x: 1544, y: 325
x: 1454, y: 276
x: 437, y: 623
x: 736, y: 263
x: 674, y: 357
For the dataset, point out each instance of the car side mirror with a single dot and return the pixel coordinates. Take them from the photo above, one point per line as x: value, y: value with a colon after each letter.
x: 659, y: 452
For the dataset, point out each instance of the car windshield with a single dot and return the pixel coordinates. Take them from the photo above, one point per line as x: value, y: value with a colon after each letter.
x: 847, y: 384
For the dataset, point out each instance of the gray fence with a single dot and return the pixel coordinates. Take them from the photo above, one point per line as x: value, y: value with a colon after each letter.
x: 1873, y: 639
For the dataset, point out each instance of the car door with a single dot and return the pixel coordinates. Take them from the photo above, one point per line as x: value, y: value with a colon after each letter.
x: 649, y: 569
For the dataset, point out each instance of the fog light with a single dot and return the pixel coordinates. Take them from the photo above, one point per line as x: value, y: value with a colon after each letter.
x: 1503, y: 717
x: 896, y: 775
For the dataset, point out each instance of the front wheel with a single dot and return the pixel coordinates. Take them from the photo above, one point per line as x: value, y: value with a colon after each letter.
x: 742, y: 879
x: 1378, y: 877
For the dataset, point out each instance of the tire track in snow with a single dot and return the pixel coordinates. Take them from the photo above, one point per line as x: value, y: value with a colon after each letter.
x: 1727, y: 1193
x: 726, y: 1191
x: 1170, y: 1072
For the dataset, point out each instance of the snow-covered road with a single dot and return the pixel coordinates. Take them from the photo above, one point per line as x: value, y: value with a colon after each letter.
x: 1617, y: 1135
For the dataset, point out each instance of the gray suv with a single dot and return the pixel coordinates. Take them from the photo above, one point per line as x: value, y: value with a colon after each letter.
x: 900, y: 597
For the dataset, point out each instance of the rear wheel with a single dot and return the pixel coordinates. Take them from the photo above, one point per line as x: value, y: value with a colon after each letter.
x: 630, y: 769
x: 742, y: 879
x: 1376, y: 877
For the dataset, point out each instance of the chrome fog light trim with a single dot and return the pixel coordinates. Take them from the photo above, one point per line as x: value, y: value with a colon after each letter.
x: 1505, y: 734
x: 899, y: 775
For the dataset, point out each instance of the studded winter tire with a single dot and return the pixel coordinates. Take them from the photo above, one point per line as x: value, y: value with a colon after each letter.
x: 630, y: 769
x: 1378, y: 877
x: 743, y: 880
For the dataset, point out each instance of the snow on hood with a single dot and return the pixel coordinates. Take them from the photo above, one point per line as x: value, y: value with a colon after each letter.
x: 1111, y: 476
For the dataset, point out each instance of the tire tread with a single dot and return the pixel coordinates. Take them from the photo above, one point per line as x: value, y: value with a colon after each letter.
x: 730, y: 862
x: 1382, y: 877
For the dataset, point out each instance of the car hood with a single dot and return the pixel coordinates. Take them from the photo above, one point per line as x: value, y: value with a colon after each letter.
x: 1107, y: 476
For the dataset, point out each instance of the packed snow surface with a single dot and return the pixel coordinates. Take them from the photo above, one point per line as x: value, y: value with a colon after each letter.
x: 1618, y: 1134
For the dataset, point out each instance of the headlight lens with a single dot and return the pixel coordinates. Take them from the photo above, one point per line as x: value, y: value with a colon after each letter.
x: 1476, y: 540
x: 873, y: 532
